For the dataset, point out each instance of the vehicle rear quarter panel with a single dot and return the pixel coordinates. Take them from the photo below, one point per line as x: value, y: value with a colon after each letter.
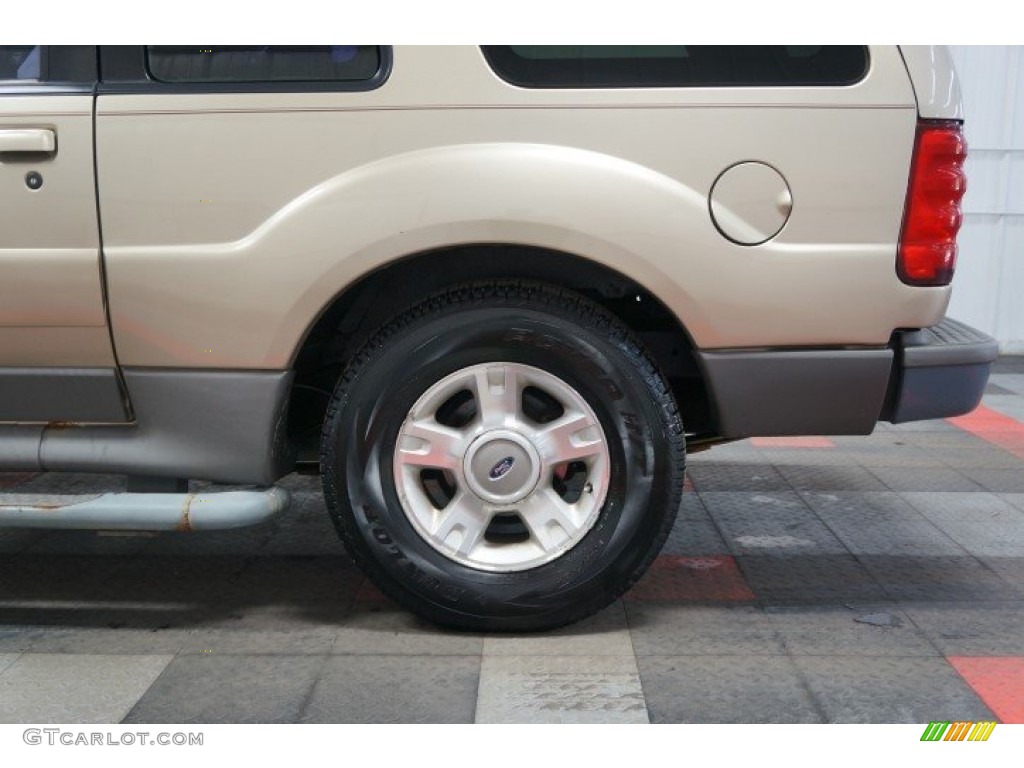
x: 231, y: 220
x: 935, y: 82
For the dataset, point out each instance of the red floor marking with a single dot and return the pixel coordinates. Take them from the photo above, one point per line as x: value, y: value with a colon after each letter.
x: 673, y: 578
x: 791, y: 442
x: 998, y: 680
x: 687, y: 484
x: 993, y: 427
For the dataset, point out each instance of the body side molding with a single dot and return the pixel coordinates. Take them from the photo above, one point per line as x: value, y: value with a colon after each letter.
x: 225, y: 426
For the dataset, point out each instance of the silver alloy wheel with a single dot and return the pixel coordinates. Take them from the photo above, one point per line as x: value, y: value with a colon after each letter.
x: 501, y: 466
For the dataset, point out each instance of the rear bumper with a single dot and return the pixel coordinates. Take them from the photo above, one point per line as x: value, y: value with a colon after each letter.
x: 938, y: 372
x: 929, y: 374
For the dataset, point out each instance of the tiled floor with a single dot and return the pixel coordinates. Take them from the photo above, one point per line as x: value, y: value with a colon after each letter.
x: 847, y: 579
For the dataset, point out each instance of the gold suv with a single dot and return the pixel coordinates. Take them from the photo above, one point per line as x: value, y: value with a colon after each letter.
x: 490, y: 293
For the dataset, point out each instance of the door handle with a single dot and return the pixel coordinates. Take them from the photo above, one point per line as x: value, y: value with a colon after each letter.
x: 27, y: 140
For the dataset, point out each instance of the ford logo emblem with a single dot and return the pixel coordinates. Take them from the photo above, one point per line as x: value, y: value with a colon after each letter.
x: 502, y: 468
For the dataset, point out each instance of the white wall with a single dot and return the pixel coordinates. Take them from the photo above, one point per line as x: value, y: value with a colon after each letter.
x: 988, y: 290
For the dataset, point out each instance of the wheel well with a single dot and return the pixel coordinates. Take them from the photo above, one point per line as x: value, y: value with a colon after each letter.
x: 369, y: 303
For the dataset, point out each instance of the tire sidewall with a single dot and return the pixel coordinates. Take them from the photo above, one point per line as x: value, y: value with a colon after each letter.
x: 589, y: 355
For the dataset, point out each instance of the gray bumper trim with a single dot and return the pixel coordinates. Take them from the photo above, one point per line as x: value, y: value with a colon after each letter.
x: 61, y: 394
x: 949, y: 343
x: 799, y: 392
x: 940, y: 372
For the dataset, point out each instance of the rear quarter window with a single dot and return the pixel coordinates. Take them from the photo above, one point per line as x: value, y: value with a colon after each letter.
x: 654, y: 66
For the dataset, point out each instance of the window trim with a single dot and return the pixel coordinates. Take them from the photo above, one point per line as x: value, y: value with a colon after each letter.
x: 123, y: 70
x: 493, y: 54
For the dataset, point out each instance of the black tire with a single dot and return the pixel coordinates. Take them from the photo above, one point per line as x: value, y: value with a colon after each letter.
x: 530, y: 324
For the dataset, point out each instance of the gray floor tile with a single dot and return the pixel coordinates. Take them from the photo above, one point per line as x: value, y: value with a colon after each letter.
x: 976, y: 629
x: 695, y: 538
x: 883, y: 438
x: 897, y: 452
x: 1014, y: 499
x: 1011, y: 381
x: 55, y: 589
x: 395, y: 689
x: 736, y: 451
x: 995, y: 389
x: 164, y: 592
x: 300, y: 483
x: 305, y: 528
x: 278, y: 592
x: 802, y: 464
x: 14, y: 540
x: 725, y: 689
x: 603, y: 634
x: 6, y: 659
x: 880, y: 524
x: 827, y: 579
x: 998, y: 480
x: 1009, y: 569
x: 73, y: 688
x: 769, y: 523
x: 104, y: 640
x: 1009, y: 404
x: 212, y: 688
x: 691, y: 630
x: 58, y: 578
x: 962, y: 450
x: 18, y: 638
x: 231, y: 542
x: 831, y: 478
x: 865, y: 629
x: 890, y: 690
x: 69, y: 483
x: 937, y: 579
x: 920, y: 479
x: 954, y: 439
x: 560, y: 689
x: 931, y: 425
x: 300, y: 640
x: 393, y: 631
x: 692, y: 508
x: 1013, y: 410
x: 737, y: 476
x: 90, y: 543
x: 982, y: 523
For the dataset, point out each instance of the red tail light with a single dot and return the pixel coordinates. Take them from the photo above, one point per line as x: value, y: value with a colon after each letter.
x: 927, y: 254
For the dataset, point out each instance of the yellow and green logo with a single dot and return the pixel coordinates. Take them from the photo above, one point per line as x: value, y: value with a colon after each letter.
x: 961, y: 730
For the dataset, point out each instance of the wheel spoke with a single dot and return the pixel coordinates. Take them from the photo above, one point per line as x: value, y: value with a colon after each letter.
x: 500, y: 461
x: 549, y: 519
x: 465, y: 518
x: 573, y: 436
x: 425, y: 443
x: 498, y: 396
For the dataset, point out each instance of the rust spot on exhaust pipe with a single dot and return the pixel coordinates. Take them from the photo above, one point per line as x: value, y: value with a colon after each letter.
x: 185, y: 526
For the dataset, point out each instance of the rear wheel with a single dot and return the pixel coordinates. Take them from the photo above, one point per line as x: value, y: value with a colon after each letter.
x: 503, y: 456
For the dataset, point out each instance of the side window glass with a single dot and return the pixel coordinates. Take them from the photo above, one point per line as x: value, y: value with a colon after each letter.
x: 660, y: 66
x: 262, y: 63
x: 22, y: 63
